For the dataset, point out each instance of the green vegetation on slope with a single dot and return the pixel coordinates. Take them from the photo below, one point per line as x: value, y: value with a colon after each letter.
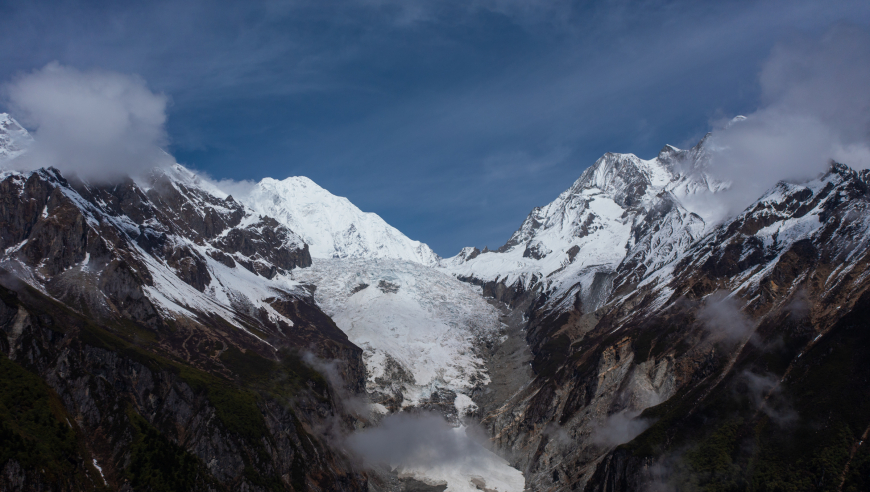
x: 158, y: 465
x: 34, y: 430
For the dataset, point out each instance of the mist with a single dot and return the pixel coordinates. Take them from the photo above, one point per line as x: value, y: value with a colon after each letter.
x: 97, y: 124
x: 764, y: 391
x: 815, y: 108
x: 333, y: 371
x: 721, y: 315
x: 422, y: 440
x: 619, y: 428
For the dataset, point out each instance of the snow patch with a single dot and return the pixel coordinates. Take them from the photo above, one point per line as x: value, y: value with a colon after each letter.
x: 464, y: 405
x: 100, y: 469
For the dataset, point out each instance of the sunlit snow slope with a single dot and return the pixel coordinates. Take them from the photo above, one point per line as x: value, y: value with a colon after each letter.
x: 332, y: 226
x: 14, y: 139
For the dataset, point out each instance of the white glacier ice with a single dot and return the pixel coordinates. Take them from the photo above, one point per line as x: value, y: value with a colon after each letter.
x: 401, y: 312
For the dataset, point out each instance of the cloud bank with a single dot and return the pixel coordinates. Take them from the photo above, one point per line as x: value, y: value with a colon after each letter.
x: 815, y: 108
x: 424, y: 446
x: 98, y: 124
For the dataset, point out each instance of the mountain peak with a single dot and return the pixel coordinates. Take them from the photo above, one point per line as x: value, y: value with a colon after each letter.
x: 600, y: 221
x: 294, y: 182
x: 331, y: 225
x: 668, y: 151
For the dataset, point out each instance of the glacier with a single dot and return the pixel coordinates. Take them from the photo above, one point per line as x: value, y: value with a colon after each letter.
x: 332, y: 226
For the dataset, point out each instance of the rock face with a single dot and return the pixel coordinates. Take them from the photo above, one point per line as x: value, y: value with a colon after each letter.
x: 228, y: 426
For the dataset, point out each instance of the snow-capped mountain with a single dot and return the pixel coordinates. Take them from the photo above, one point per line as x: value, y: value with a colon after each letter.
x: 247, y: 329
x: 621, y: 209
x: 777, y: 295
x: 816, y: 231
x: 332, y: 226
x: 178, y: 306
x: 639, y: 291
x: 191, y: 255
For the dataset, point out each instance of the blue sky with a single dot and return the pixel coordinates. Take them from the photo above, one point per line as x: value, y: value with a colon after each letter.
x: 450, y: 119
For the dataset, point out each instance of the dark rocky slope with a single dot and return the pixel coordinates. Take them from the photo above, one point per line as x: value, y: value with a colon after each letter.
x: 143, y: 397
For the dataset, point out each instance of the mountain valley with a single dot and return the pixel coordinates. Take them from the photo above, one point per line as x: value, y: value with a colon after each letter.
x: 161, y: 334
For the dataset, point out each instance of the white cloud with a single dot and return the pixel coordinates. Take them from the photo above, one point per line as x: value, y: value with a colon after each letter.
x: 619, y: 428
x: 816, y: 107
x: 98, y: 124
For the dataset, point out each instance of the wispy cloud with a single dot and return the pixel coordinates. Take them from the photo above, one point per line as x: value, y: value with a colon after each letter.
x: 619, y: 428
x: 723, y: 317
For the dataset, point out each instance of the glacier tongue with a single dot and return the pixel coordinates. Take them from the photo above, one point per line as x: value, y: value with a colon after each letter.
x: 420, y: 329
x: 422, y: 333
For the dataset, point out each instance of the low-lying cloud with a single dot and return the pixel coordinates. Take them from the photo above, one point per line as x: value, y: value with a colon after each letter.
x: 619, y: 428
x: 815, y: 108
x: 423, y: 440
x: 764, y: 391
x: 99, y: 124
x: 723, y: 317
